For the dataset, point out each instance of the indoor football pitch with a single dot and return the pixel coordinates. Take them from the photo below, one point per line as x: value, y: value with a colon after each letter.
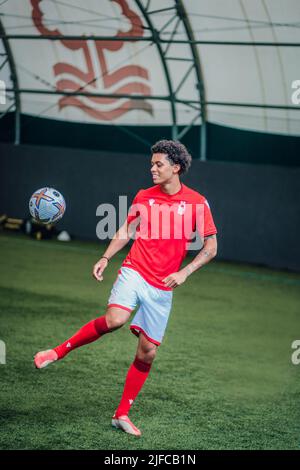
x: 223, y: 377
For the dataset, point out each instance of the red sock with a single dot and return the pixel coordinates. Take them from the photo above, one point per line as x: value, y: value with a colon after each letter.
x: 88, y: 333
x: 136, y: 376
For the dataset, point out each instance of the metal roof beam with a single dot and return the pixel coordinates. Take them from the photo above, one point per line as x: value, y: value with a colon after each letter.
x: 7, y: 110
x: 172, y: 36
x: 190, y: 103
x: 3, y: 63
x: 187, y: 128
x: 156, y: 39
x: 153, y: 12
x: 184, y: 78
x: 200, y: 79
x: 184, y: 59
x: 36, y: 91
x: 241, y: 105
x: 145, y: 39
x: 15, y: 81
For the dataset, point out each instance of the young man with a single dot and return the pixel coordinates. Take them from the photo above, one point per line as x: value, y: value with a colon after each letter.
x: 151, y: 269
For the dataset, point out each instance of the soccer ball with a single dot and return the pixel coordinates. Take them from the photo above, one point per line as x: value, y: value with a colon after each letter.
x: 47, y: 206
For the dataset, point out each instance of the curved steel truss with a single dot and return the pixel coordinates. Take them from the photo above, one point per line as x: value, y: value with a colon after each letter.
x: 162, y: 32
x: 6, y: 59
x: 191, y: 66
x: 189, y: 69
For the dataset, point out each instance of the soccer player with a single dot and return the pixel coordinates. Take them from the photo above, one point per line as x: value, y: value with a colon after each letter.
x: 151, y: 270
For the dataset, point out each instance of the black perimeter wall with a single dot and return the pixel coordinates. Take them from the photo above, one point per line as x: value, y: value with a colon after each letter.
x: 223, y: 143
x: 255, y: 207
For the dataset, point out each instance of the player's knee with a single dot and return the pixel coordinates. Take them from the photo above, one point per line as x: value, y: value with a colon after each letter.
x: 147, y: 353
x: 114, y: 322
x: 116, y: 317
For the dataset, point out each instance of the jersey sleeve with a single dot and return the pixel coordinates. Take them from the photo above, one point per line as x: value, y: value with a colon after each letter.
x: 133, y: 212
x: 209, y: 225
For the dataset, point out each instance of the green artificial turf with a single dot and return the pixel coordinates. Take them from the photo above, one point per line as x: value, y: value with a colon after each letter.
x: 223, y: 377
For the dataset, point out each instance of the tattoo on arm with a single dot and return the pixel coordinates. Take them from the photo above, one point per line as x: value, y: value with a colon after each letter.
x: 209, y: 236
x: 189, y: 270
x: 201, y: 259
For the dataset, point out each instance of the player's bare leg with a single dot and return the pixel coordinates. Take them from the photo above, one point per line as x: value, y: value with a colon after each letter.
x: 113, y: 319
x: 136, y: 377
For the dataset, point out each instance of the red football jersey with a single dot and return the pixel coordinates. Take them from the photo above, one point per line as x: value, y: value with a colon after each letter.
x: 166, y: 226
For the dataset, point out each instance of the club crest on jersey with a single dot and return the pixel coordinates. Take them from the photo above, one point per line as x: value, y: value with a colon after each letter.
x: 151, y: 202
x: 181, y: 208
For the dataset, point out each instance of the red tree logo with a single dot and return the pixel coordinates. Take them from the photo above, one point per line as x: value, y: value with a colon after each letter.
x: 71, y: 78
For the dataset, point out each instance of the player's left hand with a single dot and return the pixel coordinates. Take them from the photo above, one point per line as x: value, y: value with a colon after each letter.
x: 175, y: 279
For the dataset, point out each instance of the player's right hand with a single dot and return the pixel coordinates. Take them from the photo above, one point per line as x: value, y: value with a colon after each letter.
x: 99, y: 268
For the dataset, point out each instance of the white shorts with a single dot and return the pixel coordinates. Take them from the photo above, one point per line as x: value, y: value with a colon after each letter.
x: 130, y: 290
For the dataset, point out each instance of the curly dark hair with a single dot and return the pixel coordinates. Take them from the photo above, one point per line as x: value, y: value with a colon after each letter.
x: 176, y: 153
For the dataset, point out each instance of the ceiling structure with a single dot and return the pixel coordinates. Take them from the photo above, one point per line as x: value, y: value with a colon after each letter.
x: 153, y: 62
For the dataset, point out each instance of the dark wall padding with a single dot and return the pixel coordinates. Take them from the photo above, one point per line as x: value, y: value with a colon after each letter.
x: 256, y: 208
x: 223, y: 143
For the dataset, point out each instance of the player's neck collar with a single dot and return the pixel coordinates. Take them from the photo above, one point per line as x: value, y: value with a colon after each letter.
x: 174, y: 194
